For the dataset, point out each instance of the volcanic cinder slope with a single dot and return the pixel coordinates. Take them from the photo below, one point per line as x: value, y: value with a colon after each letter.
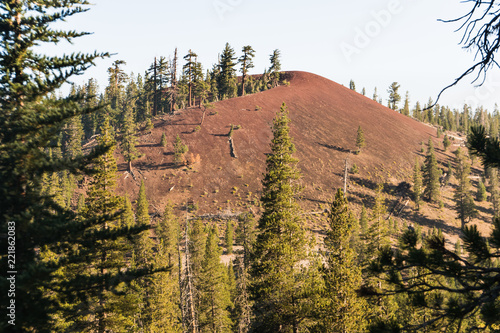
x: 324, y: 120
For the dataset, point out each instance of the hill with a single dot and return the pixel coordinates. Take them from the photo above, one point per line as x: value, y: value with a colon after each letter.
x: 324, y: 120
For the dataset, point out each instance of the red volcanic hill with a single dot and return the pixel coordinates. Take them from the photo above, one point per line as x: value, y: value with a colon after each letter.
x: 324, y: 120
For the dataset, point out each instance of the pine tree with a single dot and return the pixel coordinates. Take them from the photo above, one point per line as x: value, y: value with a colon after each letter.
x: 275, y: 68
x: 228, y: 237
x: 494, y: 190
x: 446, y: 142
x: 360, y: 139
x: 431, y: 175
x: 278, y: 279
x: 363, y: 220
x: 406, y: 107
x: 30, y: 119
x: 180, y: 150
x: 378, y: 231
x: 107, y: 256
x: 165, y: 292
x: 481, y: 194
x: 129, y: 140
x: 375, y: 95
x: 464, y: 205
x: 192, y: 72
x: 246, y: 61
x: 352, y: 86
x: 342, y: 310
x: 127, y: 219
x: 394, y: 96
x: 226, y: 78
x: 215, y: 302
x: 163, y: 141
x: 417, y: 184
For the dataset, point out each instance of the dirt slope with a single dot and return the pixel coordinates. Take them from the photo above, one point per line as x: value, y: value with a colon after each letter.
x: 325, y: 117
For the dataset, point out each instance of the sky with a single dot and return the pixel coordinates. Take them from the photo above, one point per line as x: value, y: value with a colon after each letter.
x: 372, y: 42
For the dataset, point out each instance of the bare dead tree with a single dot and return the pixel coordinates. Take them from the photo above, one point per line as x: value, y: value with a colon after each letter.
x: 481, y: 34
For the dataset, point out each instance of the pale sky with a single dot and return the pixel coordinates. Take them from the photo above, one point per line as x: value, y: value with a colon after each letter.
x: 373, y: 42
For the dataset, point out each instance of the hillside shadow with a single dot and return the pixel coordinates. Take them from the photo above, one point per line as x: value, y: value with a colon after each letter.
x: 144, y: 145
x: 430, y: 223
x: 151, y: 166
x: 337, y: 148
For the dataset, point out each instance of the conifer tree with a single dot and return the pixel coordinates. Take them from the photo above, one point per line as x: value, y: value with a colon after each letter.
x: 180, y: 150
x: 406, y: 107
x: 163, y: 141
x: 378, y: 231
x: 417, y: 184
x: 342, y: 310
x: 107, y: 256
x: 228, y: 237
x: 226, y: 78
x: 192, y: 72
x: 352, y: 86
x: 446, y: 142
x: 215, y: 302
x: 129, y: 140
x: 165, y: 292
x: 360, y: 139
x: 363, y: 220
x: 481, y: 194
x: 278, y: 279
x: 30, y: 118
x: 246, y: 61
x: 394, y: 96
x: 375, y: 95
x: 494, y: 190
x: 275, y: 67
x: 127, y: 220
x: 464, y: 202
x: 431, y: 175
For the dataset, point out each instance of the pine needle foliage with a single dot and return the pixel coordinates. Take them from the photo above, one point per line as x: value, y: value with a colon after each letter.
x: 278, y: 278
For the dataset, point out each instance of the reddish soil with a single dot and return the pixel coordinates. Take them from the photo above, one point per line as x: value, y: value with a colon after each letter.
x: 325, y: 117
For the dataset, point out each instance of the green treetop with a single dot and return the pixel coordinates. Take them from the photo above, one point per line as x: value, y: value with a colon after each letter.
x: 246, y: 61
x: 360, y: 139
x: 226, y: 79
x: 464, y: 202
x: 30, y: 119
x: 394, y: 96
x: 343, y: 311
x: 275, y: 68
x: 278, y: 281
x: 431, y: 175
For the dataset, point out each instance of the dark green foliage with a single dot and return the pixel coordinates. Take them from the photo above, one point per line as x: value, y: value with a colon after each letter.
x: 31, y: 118
x: 394, y: 96
x: 431, y: 175
x: 226, y: 77
x: 360, y: 139
x: 246, y: 61
x: 163, y: 141
x: 352, y: 86
x: 481, y: 194
x: 129, y: 140
x: 275, y: 68
x: 417, y: 184
x: 228, y: 237
x: 279, y: 282
x: 342, y: 310
x: 446, y: 142
x: 464, y: 202
x: 215, y: 302
x: 180, y: 150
